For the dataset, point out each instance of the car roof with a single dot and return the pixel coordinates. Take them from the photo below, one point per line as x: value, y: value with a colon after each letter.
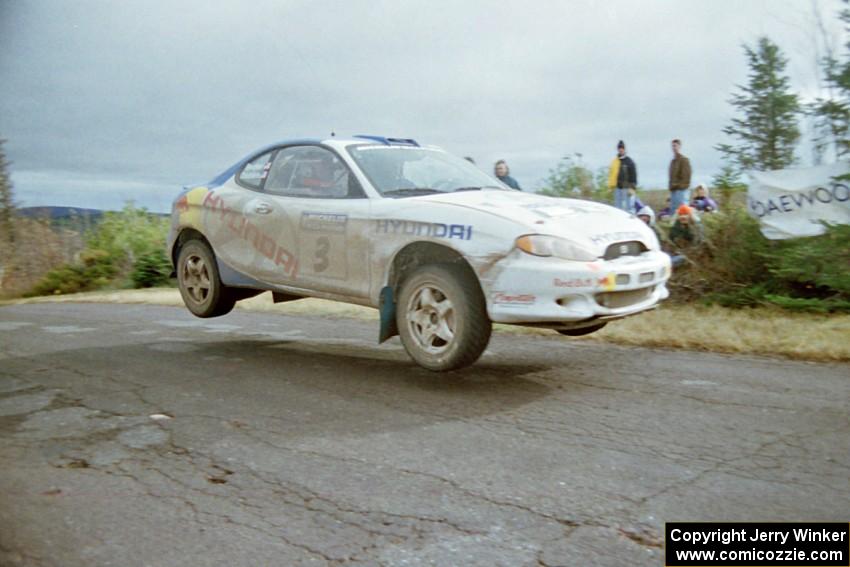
x: 222, y: 177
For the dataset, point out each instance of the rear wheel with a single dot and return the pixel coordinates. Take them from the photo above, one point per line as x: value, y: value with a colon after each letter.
x: 200, y: 286
x: 442, y: 317
x: 582, y: 331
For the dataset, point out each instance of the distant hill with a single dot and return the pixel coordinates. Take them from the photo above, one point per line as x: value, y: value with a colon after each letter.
x: 61, y: 213
x: 78, y: 219
x: 68, y: 213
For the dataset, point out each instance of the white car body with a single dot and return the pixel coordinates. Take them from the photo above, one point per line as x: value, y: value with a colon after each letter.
x: 347, y: 249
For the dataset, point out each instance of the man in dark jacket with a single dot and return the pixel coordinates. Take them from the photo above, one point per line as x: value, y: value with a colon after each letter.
x: 622, y: 178
x: 680, y: 177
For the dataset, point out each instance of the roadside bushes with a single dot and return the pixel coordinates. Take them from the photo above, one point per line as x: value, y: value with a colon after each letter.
x: 125, y: 249
x: 738, y: 267
x: 95, y: 269
x: 151, y: 269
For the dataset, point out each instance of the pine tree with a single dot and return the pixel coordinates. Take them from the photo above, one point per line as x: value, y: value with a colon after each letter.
x: 767, y: 130
x: 832, y: 113
x: 7, y: 204
x: 727, y: 182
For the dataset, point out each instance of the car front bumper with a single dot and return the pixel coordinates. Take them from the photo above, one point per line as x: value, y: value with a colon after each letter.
x: 525, y: 289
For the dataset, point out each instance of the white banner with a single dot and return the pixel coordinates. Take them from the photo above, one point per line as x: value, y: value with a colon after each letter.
x: 792, y: 202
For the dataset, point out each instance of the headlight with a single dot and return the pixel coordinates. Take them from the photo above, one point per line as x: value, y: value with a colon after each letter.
x: 542, y: 245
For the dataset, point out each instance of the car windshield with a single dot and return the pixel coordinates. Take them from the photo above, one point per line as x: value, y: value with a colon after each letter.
x: 403, y: 171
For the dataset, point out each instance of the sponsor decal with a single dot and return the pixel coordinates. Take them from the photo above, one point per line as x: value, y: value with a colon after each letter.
x: 606, y: 237
x: 574, y: 282
x: 325, y: 222
x: 517, y: 300
x: 245, y: 229
x: 790, y: 202
x: 417, y: 228
x: 188, y: 206
x: 608, y: 283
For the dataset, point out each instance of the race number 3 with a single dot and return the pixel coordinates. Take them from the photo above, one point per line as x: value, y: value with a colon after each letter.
x: 323, y: 245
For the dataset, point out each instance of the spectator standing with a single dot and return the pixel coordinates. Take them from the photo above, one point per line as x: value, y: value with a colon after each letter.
x: 702, y: 201
x: 622, y: 178
x: 503, y: 174
x: 680, y: 177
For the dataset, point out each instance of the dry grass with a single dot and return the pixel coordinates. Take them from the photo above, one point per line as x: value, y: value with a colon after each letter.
x: 37, y: 249
x: 752, y: 331
x: 716, y: 329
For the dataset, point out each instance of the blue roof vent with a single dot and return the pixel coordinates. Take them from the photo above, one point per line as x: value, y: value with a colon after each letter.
x: 390, y: 141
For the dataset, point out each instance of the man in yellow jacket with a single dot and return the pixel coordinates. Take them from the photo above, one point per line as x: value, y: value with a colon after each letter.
x: 622, y: 178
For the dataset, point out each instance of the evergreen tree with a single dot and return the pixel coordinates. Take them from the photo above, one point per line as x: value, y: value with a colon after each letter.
x: 766, y: 130
x: 7, y: 205
x: 832, y: 113
x: 728, y: 182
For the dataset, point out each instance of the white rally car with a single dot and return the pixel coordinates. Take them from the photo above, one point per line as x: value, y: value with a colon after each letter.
x: 442, y: 249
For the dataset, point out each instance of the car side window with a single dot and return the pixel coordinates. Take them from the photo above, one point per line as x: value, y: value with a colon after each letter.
x: 255, y: 171
x: 313, y: 172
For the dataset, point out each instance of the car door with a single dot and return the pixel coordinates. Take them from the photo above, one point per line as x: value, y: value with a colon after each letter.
x: 320, y: 213
x: 228, y: 211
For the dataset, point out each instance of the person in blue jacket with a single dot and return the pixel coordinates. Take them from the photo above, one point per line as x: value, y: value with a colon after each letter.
x: 503, y: 174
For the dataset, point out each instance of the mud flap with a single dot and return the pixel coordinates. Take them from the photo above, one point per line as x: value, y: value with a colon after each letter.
x: 386, y: 307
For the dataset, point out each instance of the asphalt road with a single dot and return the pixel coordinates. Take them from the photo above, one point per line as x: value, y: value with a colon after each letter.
x: 141, y: 436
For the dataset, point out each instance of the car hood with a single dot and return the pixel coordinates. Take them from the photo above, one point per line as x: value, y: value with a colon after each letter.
x: 593, y: 225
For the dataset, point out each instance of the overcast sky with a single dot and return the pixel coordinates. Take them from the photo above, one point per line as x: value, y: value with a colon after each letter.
x: 107, y: 101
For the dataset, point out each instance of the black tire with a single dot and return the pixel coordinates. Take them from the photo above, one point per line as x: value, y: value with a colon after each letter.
x: 582, y: 331
x: 448, y: 327
x: 199, y: 283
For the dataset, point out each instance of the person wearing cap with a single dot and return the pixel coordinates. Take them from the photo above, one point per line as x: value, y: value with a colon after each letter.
x: 647, y: 215
x: 685, y: 231
x: 702, y: 201
x: 680, y: 177
x: 500, y: 168
x: 622, y: 178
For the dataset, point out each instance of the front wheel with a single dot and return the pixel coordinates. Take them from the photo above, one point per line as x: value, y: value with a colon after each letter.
x: 442, y: 317
x: 200, y: 286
